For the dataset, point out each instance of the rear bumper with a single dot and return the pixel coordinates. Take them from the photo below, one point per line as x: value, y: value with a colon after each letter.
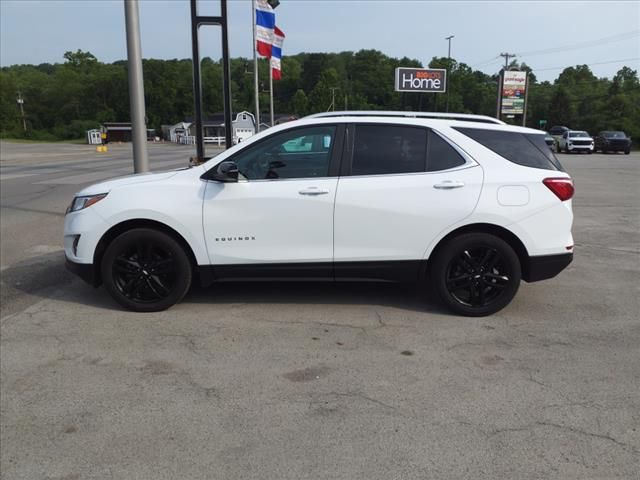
x: 84, y: 270
x: 545, y: 266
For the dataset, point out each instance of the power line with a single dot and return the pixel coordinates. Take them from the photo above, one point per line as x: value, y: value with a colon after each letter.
x: 486, y: 62
x: 590, y: 43
x: 587, y: 64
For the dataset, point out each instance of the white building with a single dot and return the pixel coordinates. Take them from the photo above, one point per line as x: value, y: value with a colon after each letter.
x: 242, y: 128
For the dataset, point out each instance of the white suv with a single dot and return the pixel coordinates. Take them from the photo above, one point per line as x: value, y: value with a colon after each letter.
x: 575, y: 141
x: 466, y: 202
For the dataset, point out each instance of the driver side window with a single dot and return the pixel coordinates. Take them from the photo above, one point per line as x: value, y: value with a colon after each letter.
x: 299, y: 153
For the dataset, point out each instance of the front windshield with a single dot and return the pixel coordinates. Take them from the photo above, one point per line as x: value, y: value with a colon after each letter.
x: 578, y: 134
x: 615, y: 135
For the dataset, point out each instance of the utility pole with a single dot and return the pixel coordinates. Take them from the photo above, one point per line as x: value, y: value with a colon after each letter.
x: 333, y: 98
x: 20, y: 101
x: 507, y: 56
x: 449, y: 73
x: 136, y: 88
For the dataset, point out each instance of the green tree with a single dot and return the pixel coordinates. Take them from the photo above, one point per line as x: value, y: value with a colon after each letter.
x: 299, y: 103
x: 9, y: 112
x: 80, y: 59
x: 560, y: 108
x: 321, y: 96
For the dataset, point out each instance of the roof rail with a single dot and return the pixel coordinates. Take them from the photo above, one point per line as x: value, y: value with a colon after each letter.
x: 434, y: 115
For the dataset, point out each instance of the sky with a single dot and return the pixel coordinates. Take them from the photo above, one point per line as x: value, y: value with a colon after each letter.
x: 547, y: 35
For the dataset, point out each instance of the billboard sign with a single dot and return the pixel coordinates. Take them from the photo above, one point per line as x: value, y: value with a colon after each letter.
x: 514, y: 91
x: 421, y: 80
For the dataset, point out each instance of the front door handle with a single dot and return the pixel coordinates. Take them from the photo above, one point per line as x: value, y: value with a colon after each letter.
x: 313, y: 191
x: 448, y: 185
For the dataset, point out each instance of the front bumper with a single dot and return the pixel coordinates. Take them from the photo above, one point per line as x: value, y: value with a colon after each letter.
x: 580, y: 147
x: 545, y: 266
x: 85, y: 271
x: 616, y: 148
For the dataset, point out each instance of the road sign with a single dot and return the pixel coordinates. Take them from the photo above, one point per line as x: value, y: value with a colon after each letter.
x: 514, y: 85
x: 421, y: 80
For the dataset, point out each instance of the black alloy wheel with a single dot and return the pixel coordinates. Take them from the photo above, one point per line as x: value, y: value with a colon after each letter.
x: 476, y: 274
x: 146, y: 270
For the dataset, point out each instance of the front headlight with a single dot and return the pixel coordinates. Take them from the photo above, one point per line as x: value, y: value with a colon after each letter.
x: 80, y: 203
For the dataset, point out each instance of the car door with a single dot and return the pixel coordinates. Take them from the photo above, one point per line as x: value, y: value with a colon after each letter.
x: 281, y: 209
x: 401, y: 187
x: 563, y: 140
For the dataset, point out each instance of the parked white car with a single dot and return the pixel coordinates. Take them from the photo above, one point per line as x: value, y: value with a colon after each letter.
x: 466, y: 202
x: 575, y: 141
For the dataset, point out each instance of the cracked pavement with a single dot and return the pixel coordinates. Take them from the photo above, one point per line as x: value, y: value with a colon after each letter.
x: 308, y: 381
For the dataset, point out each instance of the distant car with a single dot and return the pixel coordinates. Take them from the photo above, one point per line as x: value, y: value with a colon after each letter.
x: 557, y: 131
x: 550, y: 141
x: 613, y: 141
x: 575, y: 141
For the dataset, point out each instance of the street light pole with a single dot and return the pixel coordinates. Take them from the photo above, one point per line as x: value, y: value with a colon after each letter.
x: 20, y: 101
x: 449, y: 73
x: 256, y: 89
x: 136, y: 87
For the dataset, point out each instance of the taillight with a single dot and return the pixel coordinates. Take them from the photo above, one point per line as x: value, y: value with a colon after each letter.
x: 562, y: 187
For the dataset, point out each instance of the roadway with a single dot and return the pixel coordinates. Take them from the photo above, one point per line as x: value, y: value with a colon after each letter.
x: 293, y: 381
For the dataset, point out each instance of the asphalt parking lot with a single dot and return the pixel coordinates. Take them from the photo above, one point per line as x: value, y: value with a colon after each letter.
x: 309, y: 381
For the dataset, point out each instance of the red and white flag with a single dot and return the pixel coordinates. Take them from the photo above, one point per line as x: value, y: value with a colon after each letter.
x: 276, y: 53
x: 265, y: 22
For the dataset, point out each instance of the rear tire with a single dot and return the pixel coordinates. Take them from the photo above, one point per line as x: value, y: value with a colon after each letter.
x: 476, y: 274
x: 146, y: 270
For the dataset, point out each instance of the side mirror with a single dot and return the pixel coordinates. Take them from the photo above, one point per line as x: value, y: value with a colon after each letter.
x: 226, y: 171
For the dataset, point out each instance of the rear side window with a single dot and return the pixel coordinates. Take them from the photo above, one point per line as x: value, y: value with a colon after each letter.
x: 529, y: 150
x: 387, y: 149
x: 442, y: 156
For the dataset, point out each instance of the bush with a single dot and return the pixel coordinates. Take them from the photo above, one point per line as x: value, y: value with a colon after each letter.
x: 73, y: 130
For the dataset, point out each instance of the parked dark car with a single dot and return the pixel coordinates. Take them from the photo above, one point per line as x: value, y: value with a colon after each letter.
x: 613, y: 141
x: 556, y: 132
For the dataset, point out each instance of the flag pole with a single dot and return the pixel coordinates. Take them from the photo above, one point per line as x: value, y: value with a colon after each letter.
x: 271, y: 93
x: 255, y: 65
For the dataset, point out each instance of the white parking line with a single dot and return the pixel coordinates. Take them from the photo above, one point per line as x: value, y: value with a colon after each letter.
x: 11, y: 176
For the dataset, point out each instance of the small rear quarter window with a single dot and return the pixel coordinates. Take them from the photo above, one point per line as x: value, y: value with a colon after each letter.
x: 526, y: 149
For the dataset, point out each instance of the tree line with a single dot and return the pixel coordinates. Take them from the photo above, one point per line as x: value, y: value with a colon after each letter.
x: 62, y: 101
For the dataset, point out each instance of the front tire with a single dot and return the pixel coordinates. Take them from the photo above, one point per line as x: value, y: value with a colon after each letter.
x: 476, y: 274
x: 146, y: 270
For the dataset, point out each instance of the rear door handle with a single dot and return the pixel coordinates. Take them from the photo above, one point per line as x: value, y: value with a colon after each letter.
x: 313, y: 191
x: 449, y: 185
